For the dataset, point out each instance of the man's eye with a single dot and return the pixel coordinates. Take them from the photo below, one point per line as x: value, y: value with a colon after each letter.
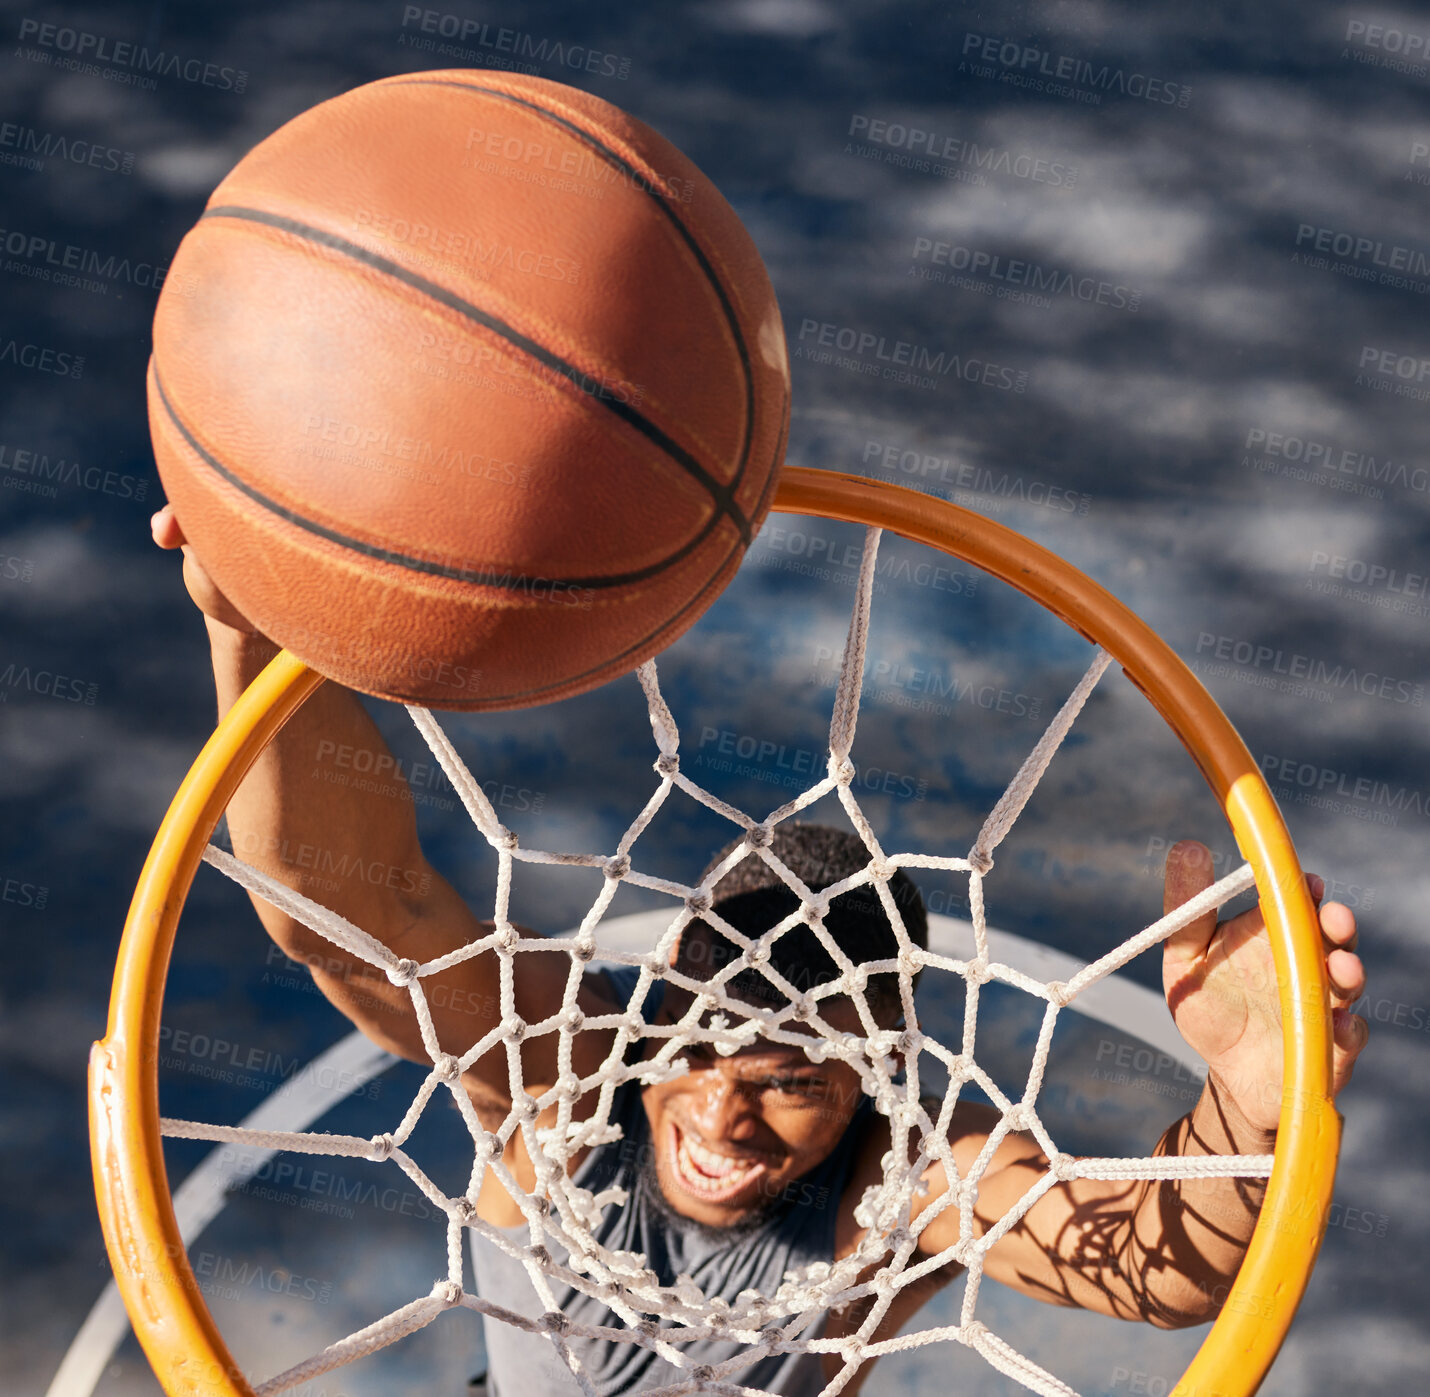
x: 797, y: 1086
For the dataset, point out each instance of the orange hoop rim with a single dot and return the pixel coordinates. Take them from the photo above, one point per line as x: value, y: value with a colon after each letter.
x: 141, y: 1232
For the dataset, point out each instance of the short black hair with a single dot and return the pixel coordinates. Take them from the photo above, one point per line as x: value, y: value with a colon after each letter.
x: 752, y: 898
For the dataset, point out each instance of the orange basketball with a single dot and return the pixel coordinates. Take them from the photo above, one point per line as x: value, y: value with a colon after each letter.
x: 469, y: 389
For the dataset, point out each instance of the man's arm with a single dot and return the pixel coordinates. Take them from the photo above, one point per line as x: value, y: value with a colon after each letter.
x: 293, y: 822
x: 1166, y: 1252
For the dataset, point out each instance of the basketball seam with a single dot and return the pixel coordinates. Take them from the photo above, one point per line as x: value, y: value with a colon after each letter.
x: 476, y: 577
x: 647, y: 182
x: 721, y: 495
x: 546, y: 692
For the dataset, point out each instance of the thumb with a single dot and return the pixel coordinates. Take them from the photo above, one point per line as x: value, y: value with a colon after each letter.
x: 1189, y: 871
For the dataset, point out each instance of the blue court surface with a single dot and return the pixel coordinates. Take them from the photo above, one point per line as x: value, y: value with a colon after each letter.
x: 1167, y: 270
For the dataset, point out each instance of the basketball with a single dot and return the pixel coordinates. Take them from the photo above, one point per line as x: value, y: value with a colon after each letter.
x: 469, y: 389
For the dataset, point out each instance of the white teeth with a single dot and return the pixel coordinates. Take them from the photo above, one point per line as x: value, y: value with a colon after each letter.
x: 704, y: 1171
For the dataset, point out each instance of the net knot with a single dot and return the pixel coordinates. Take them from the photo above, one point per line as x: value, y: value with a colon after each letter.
x: 568, y: 1086
x: 649, y: 1327
x: 667, y: 764
x: 539, y: 1256
x: 505, y: 937
x: 448, y: 1292
x: 488, y: 1147
x: 403, y: 973
x: 1063, y: 1167
x: 879, y: 1045
x: 583, y: 948
x: 1017, y: 1118
x: 698, y: 904
x: 703, y: 1373
x: 447, y: 1067
x: 503, y: 838
x: 515, y: 1030
x: 573, y: 1020
x: 464, y: 1210
x: 909, y: 961
x: 617, y: 867
x: 1058, y: 993
x: 759, y: 836
x: 526, y: 1109
x: 980, y: 861
x: 841, y: 769
x: 380, y: 1147
x: 802, y: 1008
x: 554, y: 1322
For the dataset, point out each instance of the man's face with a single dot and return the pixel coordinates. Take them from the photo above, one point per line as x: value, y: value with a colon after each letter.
x: 734, y: 1132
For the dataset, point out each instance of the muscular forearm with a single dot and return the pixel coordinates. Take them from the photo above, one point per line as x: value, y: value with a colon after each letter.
x: 313, y: 833
x: 354, y: 849
x: 1188, y: 1236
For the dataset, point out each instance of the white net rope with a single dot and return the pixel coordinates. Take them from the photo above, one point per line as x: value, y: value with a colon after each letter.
x: 561, y: 1217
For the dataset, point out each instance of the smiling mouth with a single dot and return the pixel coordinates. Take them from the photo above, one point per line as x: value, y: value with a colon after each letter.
x: 708, y: 1176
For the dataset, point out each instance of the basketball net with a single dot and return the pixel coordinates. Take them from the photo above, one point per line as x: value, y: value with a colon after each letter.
x: 561, y: 1217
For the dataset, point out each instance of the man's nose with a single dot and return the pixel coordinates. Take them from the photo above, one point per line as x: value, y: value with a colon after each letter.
x: 721, y: 1111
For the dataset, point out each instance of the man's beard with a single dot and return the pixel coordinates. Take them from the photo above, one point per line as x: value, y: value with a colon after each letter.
x: 756, y: 1219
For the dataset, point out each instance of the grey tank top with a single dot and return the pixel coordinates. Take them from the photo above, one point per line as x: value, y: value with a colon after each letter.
x: 800, y: 1230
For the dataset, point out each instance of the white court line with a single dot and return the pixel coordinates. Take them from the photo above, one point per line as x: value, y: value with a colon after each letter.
x: 355, y: 1060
